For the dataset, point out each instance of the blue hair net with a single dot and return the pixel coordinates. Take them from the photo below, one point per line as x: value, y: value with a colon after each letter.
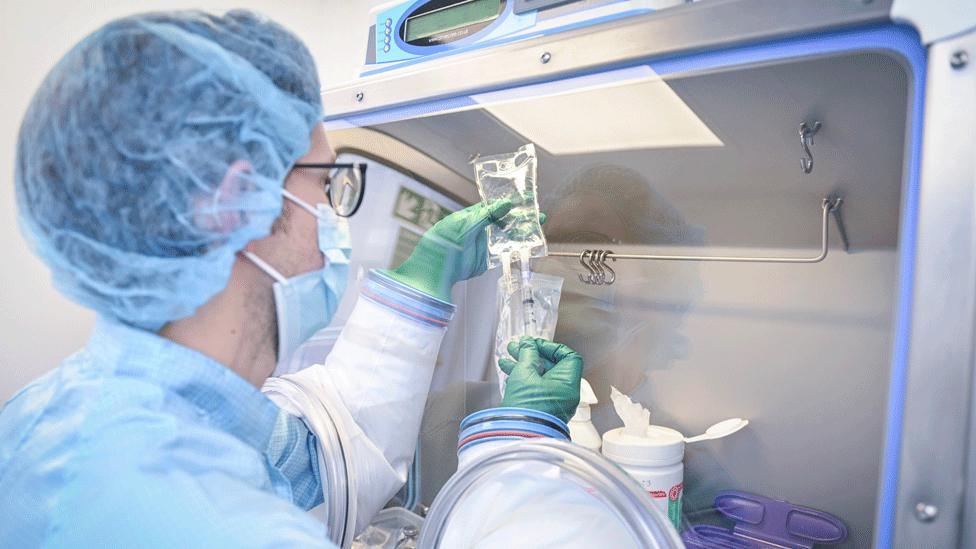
x: 155, y: 150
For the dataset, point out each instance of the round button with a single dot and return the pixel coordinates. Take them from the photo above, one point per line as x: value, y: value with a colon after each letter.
x: 389, y: 23
x: 387, y: 32
x: 386, y: 40
x: 386, y: 48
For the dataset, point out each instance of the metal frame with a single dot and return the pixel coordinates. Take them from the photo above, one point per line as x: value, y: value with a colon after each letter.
x: 683, y: 29
x: 938, y: 20
x: 828, y: 206
x: 933, y: 473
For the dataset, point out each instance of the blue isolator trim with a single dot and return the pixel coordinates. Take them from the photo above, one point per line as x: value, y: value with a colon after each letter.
x: 916, y: 60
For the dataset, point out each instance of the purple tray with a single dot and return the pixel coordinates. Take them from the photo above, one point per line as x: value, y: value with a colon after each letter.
x: 761, y: 521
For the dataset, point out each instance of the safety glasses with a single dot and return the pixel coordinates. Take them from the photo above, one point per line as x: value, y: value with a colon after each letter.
x: 345, y: 185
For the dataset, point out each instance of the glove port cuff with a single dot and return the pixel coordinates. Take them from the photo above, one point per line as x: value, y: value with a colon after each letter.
x: 406, y: 301
x: 509, y: 424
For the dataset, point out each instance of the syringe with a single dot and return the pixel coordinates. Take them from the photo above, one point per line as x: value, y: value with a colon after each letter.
x: 519, y: 281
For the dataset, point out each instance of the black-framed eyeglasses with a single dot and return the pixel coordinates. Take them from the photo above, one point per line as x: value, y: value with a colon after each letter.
x: 345, y: 185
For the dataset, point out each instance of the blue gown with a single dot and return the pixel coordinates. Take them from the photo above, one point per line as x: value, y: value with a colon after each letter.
x: 135, y: 441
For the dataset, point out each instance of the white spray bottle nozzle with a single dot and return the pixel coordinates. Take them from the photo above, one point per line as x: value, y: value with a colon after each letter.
x: 636, y: 418
x: 581, y: 429
x: 587, y: 396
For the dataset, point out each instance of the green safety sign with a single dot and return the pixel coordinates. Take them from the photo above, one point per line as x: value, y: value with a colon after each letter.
x: 418, y: 210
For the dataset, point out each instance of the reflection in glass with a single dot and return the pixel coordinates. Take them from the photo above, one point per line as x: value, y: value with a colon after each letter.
x: 633, y: 326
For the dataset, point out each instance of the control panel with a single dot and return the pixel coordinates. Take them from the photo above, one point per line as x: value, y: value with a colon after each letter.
x: 405, y: 31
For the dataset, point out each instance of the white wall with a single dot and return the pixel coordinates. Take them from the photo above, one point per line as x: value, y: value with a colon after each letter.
x: 39, y: 327
x: 347, y: 35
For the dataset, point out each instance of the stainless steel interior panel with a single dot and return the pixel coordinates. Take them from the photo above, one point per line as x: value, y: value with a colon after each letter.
x: 749, y: 184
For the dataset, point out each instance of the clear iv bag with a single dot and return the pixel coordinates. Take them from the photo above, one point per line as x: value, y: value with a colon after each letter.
x: 512, y: 176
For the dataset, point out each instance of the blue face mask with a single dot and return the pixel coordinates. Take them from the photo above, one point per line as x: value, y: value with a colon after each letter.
x: 305, y: 304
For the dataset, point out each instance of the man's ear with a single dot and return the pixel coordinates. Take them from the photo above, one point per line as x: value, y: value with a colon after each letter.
x: 222, y: 213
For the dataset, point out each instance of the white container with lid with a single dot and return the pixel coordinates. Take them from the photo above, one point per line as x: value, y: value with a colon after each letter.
x: 655, y: 461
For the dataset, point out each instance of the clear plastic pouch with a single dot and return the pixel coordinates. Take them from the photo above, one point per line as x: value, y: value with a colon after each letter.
x: 512, y: 176
x: 543, y: 306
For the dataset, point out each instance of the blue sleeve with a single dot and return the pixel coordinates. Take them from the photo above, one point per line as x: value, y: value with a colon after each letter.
x: 292, y: 450
x: 198, y: 493
x: 175, y: 511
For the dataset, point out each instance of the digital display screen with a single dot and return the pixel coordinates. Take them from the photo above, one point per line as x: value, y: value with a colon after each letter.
x: 454, y: 16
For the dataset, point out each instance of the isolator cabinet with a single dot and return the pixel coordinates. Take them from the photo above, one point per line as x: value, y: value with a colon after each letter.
x: 783, y: 192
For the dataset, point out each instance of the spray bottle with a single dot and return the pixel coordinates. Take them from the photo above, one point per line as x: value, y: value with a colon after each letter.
x: 581, y: 429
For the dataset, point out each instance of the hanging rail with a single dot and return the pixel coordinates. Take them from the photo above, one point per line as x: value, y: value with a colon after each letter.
x: 600, y: 273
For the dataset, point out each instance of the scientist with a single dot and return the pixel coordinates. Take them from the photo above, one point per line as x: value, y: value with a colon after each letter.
x: 173, y: 173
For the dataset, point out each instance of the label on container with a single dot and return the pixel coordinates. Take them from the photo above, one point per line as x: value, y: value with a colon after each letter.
x: 674, y: 504
x: 668, y: 501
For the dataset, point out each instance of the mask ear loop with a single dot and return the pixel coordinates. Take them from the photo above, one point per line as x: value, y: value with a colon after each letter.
x: 263, y: 265
x: 299, y: 202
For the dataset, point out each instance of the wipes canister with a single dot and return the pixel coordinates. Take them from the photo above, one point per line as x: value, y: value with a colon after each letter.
x: 655, y: 461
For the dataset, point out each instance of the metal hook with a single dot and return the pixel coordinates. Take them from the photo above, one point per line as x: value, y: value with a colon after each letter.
x: 584, y: 255
x: 605, y: 269
x: 608, y: 254
x: 833, y: 203
x: 596, y: 260
x: 807, y: 132
x: 582, y: 259
x: 591, y: 266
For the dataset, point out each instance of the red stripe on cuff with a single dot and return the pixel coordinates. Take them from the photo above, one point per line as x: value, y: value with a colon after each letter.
x: 398, y: 307
x: 523, y: 434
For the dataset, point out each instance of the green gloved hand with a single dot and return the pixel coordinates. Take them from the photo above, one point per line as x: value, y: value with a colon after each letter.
x: 454, y: 249
x: 546, y: 377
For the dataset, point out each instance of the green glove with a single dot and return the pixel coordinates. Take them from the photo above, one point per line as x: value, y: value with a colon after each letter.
x: 546, y: 377
x: 454, y: 249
